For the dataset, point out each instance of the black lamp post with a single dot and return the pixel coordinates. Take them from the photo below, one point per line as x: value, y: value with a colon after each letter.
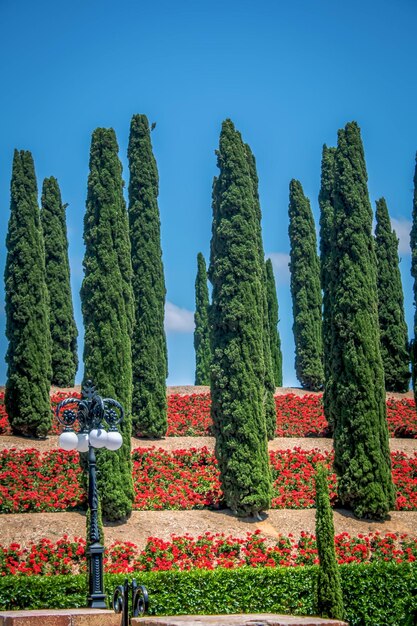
x: 92, y: 413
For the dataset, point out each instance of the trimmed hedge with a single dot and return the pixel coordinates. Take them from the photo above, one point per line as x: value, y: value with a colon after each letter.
x: 379, y: 594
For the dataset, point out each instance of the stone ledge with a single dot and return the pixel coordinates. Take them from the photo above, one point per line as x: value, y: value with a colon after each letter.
x: 64, y: 617
x: 257, y: 619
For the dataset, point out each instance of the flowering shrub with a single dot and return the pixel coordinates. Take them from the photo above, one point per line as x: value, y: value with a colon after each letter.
x: 207, y: 551
x: 31, y: 481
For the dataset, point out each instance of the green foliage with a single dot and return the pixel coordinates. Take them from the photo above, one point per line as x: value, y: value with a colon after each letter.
x: 149, y: 352
x: 27, y: 308
x: 326, y: 240
x: 201, y: 332
x: 392, y: 325
x: 61, y: 314
x: 329, y: 590
x: 413, y: 245
x: 357, y: 393
x: 107, y: 305
x: 236, y: 321
x: 275, y: 340
x: 305, y: 291
x: 380, y: 593
x: 268, y: 377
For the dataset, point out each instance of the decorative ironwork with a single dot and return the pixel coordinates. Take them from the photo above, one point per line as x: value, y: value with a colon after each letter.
x: 91, y: 413
x: 140, y: 600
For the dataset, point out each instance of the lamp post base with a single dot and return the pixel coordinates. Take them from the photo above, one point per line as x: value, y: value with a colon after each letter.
x: 97, y: 597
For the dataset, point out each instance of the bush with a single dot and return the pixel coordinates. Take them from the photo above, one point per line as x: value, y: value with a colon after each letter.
x: 377, y: 594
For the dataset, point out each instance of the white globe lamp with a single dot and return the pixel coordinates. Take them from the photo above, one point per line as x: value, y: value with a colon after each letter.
x: 68, y: 440
x: 114, y: 440
x: 83, y: 441
x: 98, y: 437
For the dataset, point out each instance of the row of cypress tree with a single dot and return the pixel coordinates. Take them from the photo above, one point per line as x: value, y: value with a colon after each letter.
x: 122, y: 297
x: 350, y: 358
x: 40, y: 323
x: 312, y: 308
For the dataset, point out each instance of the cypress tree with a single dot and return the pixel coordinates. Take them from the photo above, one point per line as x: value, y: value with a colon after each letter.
x: 236, y: 321
x: 326, y: 238
x: 329, y: 589
x: 149, y: 351
x: 201, y: 332
x: 362, y: 458
x: 268, y: 377
x: 271, y: 294
x: 305, y: 291
x: 413, y: 245
x: 27, y: 317
x: 61, y: 313
x: 392, y: 326
x: 107, y: 306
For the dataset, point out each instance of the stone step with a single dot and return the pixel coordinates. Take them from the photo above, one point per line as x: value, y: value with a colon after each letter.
x: 256, y: 619
x: 62, y: 617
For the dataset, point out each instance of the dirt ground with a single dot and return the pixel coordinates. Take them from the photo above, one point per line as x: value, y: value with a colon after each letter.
x: 24, y: 528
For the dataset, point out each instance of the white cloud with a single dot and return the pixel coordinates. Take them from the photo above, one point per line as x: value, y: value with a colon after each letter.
x: 178, y: 320
x: 280, y: 262
x: 402, y: 227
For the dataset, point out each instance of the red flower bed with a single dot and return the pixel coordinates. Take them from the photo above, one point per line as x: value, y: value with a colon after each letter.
x: 207, y: 551
x: 297, y: 416
x: 182, y: 479
x: 189, y: 416
x: 31, y: 481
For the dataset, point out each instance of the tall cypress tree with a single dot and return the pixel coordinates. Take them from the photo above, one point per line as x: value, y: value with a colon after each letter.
x: 61, y: 312
x: 269, y: 382
x: 329, y: 587
x: 362, y: 458
x: 236, y: 320
x: 149, y: 351
x: 392, y: 326
x: 107, y: 305
x: 275, y: 340
x: 305, y: 291
x: 27, y: 317
x: 413, y: 245
x: 326, y: 240
x: 201, y: 332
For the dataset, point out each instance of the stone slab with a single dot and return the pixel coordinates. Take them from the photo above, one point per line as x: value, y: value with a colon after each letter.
x: 257, y: 619
x: 64, y: 617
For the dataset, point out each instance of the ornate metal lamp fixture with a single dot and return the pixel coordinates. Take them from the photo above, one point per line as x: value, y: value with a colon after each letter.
x: 90, y: 415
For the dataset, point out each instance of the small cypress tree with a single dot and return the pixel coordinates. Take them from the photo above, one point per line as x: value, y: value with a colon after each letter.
x: 149, y: 351
x: 27, y: 317
x: 201, y: 332
x: 362, y: 457
x: 305, y: 291
x: 392, y: 326
x: 61, y: 312
x: 236, y: 321
x: 413, y: 245
x: 107, y: 306
x: 268, y: 378
x: 326, y: 239
x: 329, y: 589
x: 271, y: 294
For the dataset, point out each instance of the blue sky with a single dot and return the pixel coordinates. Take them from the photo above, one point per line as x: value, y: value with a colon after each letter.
x: 289, y: 74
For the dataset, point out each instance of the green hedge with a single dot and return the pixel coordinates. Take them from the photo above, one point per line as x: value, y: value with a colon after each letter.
x: 379, y: 594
